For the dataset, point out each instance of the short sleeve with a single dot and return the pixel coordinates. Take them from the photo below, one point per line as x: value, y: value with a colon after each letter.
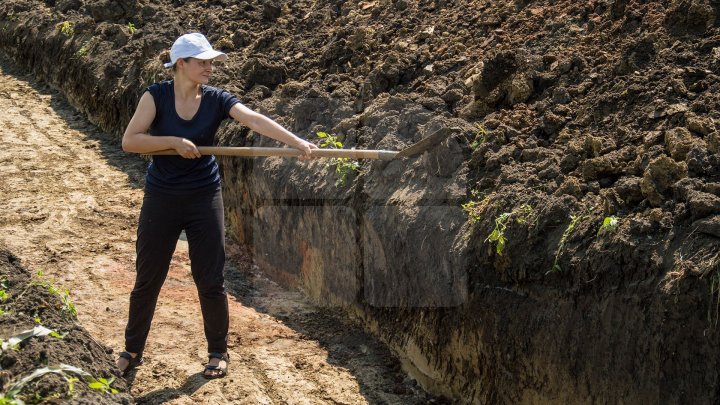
x: 158, y: 93
x: 227, y: 100
x: 154, y: 90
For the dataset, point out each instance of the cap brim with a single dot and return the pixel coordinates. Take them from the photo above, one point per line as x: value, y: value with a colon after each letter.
x: 211, y: 54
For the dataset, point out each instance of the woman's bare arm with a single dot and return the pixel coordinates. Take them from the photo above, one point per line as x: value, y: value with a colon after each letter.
x: 266, y: 126
x: 137, y: 140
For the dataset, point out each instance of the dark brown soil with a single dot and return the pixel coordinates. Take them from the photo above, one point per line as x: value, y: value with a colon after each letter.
x: 29, y: 303
x: 565, y: 115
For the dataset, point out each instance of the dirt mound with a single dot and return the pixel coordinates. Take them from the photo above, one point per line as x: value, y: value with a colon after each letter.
x: 561, y: 246
x: 31, y: 303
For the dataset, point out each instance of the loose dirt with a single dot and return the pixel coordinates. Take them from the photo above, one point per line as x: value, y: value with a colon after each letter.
x: 71, y: 199
x: 565, y: 114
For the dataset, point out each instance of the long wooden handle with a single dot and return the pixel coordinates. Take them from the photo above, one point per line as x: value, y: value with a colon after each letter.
x: 287, y: 152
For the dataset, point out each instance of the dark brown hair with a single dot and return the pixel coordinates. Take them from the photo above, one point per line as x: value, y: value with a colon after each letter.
x: 165, y: 58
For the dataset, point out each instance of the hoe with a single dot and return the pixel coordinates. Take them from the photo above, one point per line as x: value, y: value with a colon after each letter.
x: 411, y: 151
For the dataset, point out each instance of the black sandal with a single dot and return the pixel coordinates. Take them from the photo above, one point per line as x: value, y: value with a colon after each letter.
x: 223, y: 370
x: 132, y: 362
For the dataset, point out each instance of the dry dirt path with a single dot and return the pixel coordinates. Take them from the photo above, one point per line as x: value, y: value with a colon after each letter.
x: 70, y: 201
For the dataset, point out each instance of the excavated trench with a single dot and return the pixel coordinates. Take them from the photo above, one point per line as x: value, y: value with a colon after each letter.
x: 584, y: 134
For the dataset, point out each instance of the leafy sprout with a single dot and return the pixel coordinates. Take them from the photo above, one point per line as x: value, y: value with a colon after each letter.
x: 574, y: 219
x: 10, y: 397
x: 521, y: 215
x: 480, y: 136
x: 67, y: 29
x: 609, y: 225
x: 68, y: 307
x: 343, y: 166
x: 498, y: 234
x: 103, y: 385
x: 38, y: 330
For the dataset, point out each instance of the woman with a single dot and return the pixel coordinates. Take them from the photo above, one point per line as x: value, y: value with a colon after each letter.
x: 183, y: 192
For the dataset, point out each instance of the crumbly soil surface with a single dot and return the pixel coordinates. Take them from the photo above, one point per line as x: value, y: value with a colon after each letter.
x: 565, y: 115
x: 70, y: 201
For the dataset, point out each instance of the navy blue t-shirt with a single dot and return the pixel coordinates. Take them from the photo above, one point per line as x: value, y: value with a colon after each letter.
x: 175, y: 174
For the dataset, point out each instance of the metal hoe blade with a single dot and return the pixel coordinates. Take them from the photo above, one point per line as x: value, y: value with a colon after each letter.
x: 424, y: 144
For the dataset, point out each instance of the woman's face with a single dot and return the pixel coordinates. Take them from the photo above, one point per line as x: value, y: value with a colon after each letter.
x: 197, y: 70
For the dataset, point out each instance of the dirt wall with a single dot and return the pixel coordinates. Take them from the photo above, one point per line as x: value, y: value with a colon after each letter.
x: 583, y: 133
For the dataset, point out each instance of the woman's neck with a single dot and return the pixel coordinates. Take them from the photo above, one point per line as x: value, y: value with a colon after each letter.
x: 185, y: 88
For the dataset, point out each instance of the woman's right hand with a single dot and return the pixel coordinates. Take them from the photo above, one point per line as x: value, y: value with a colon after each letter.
x: 186, y: 149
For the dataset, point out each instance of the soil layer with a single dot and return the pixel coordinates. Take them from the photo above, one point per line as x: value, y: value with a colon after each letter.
x: 561, y: 246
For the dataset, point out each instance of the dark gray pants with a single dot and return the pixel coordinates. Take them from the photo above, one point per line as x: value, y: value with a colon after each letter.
x: 162, y: 218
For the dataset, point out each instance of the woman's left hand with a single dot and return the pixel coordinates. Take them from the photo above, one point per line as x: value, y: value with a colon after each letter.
x: 306, y: 148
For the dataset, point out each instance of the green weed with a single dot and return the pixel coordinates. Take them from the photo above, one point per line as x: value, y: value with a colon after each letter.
x: 609, y: 225
x: 497, y: 236
x: 343, y: 166
x: 39, y: 330
x: 83, y: 51
x: 67, y: 29
x: 574, y: 219
x: 12, y: 395
x: 480, y: 136
x: 472, y: 210
x: 68, y: 307
x: 103, y: 385
x: 476, y: 206
x: 131, y: 28
x: 520, y: 215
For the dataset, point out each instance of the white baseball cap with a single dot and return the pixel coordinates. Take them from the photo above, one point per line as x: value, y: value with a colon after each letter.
x: 193, y: 45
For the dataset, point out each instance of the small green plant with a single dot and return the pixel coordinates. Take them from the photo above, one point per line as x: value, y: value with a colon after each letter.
x: 472, y: 210
x: 67, y: 29
x: 343, y: 166
x: 131, y: 28
x: 103, y: 385
x: 12, y: 395
x: 609, y: 225
x: 68, y: 307
x: 83, y: 51
x: 497, y: 236
x: 574, y: 219
x: 71, y: 385
x: 39, y: 330
x: 480, y: 136
x: 520, y: 215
